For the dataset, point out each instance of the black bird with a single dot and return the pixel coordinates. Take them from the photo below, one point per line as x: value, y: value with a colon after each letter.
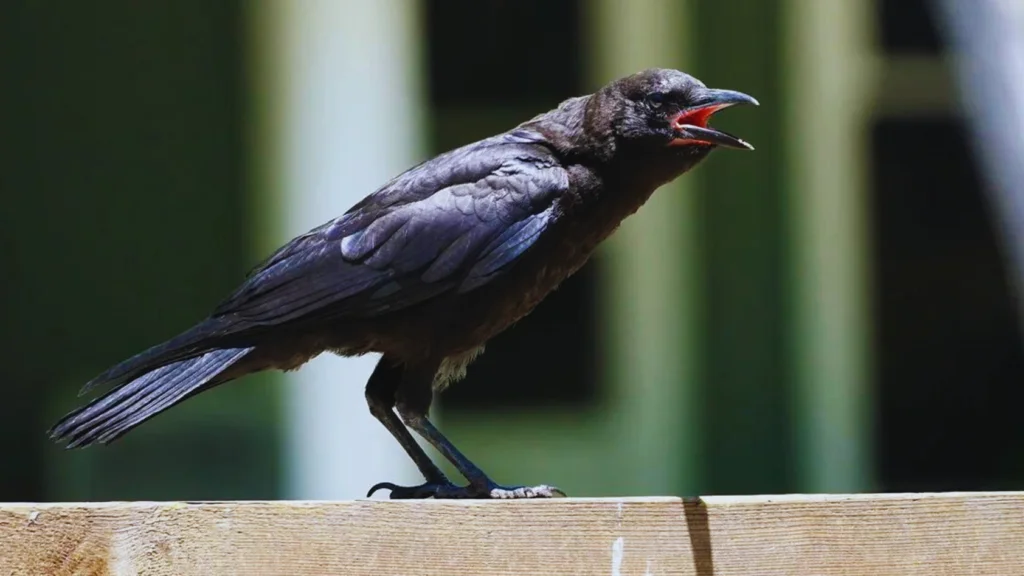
x: 430, y: 266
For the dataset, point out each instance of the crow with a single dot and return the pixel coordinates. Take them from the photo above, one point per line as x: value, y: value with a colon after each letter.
x: 429, y: 267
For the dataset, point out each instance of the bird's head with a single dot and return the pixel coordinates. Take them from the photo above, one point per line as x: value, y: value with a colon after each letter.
x: 664, y: 113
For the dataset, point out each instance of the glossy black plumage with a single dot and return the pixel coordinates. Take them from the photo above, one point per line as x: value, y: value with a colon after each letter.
x: 448, y: 225
x: 430, y: 266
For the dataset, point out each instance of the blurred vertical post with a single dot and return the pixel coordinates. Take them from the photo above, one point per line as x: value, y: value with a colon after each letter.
x: 987, y: 37
x: 339, y: 104
x: 829, y: 84
x: 648, y: 296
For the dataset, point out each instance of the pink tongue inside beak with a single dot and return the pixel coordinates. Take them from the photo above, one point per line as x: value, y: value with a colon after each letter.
x: 695, y: 117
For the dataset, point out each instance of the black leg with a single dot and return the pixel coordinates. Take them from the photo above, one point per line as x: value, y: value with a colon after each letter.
x: 425, y: 428
x: 380, y: 396
x: 413, y: 401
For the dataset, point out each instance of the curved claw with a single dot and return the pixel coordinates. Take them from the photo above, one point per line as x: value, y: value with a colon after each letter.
x: 382, y: 485
x: 427, y: 490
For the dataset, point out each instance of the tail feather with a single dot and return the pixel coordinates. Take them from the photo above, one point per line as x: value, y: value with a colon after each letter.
x: 192, y: 377
x: 189, y: 344
x: 140, y: 398
x: 112, y: 415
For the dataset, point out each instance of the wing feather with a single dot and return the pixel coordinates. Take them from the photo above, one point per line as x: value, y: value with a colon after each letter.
x: 451, y: 224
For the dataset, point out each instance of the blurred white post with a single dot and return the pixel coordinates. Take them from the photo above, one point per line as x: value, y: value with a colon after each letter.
x: 344, y: 103
x: 987, y: 37
x: 649, y: 295
x: 830, y: 82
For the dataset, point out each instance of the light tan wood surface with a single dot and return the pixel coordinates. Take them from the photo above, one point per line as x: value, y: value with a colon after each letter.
x: 899, y: 534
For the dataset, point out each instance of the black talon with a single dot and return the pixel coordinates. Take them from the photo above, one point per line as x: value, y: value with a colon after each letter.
x: 425, y: 490
x: 380, y: 485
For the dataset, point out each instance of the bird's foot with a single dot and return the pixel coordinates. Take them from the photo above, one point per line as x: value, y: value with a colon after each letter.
x: 449, y: 491
x: 516, y: 492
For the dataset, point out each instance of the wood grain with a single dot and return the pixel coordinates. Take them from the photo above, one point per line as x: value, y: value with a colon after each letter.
x: 904, y: 534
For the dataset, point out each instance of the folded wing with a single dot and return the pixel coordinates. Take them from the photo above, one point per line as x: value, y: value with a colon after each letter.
x: 452, y: 224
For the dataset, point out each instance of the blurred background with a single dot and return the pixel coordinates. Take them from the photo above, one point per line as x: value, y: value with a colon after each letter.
x: 834, y: 312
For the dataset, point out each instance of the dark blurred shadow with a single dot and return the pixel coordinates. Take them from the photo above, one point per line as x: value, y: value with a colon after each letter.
x: 697, y: 527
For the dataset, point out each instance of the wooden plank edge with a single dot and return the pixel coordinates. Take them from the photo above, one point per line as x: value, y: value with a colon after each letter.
x: 709, y: 501
x: 849, y: 534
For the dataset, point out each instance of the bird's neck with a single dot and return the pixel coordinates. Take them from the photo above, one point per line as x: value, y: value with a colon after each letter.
x: 573, y: 131
x: 650, y: 170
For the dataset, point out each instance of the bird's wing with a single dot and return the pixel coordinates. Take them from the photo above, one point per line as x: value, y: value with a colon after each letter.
x: 450, y: 224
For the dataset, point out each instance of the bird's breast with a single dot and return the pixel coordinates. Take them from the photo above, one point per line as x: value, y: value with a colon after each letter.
x: 463, y: 322
x: 562, y: 252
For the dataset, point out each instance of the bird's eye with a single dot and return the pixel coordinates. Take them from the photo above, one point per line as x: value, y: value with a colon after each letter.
x: 656, y: 99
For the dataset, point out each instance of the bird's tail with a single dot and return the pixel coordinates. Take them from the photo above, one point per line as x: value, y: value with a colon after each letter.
x: 189, y: 344
x: 125, y: 407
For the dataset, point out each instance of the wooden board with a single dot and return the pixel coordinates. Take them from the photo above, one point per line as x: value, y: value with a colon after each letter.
x: 899, y: 534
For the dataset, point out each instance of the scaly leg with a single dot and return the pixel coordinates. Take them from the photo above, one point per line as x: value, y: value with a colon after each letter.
x: 414, y: 396
x: 380, y: 396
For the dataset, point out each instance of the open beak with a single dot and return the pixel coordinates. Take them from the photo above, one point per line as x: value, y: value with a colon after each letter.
x: 691, y: 124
